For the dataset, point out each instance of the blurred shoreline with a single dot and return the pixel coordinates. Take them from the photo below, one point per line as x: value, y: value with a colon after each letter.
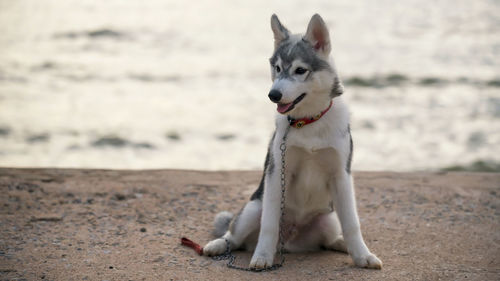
x: 99, y: 85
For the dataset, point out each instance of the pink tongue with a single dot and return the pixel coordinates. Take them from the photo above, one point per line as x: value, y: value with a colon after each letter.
x: 282, y: 108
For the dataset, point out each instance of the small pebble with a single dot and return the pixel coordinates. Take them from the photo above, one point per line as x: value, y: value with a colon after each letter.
x: 143, y: 229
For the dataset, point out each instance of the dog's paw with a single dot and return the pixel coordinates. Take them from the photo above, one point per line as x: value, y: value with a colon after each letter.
x: 368, y: 261
x: 215, y: 247
x: 261, y: 260
x: 337, y: 245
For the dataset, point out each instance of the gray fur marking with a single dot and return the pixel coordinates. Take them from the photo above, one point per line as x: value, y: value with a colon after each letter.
x: 285, y: 74
x: 221, y: 223
x: 351, y: 148
x: 279, y: 50
x: 337, y: 88
x: 268, y: 168
x: 283, y: 29
x: 257, y: 195
x: 303, y: 50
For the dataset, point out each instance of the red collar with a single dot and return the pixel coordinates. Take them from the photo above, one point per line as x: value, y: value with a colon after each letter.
x: 299, y: 123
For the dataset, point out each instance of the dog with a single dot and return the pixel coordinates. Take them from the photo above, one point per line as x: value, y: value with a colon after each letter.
x: 319, y: 208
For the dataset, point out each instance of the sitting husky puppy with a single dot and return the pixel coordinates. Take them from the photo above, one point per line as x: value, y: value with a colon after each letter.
x: 315, y: 121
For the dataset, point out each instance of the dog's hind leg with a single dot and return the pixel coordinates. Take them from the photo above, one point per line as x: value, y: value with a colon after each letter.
x: 329, y: 227
x: 323, y: 232
x: 245, y: 223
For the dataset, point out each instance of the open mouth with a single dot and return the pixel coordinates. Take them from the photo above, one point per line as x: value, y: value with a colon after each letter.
x: 286, y: 107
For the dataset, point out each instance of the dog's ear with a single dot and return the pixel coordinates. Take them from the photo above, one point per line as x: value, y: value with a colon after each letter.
x: 280, y: 32
x: 317, y: 34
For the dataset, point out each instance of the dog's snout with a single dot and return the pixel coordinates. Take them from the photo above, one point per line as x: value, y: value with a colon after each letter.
x: 275, y: 95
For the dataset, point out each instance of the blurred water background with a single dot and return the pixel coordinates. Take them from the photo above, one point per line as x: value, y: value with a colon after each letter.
x: 183, y: 84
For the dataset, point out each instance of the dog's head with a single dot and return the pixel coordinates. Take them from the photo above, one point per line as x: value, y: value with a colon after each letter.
x: 304, y: 80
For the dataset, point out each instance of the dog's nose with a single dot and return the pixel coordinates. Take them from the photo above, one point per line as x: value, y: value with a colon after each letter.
x: 275, y: 95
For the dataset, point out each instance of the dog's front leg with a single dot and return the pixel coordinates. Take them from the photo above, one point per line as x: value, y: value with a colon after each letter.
x: 345, y: 204
x: 269, y: 224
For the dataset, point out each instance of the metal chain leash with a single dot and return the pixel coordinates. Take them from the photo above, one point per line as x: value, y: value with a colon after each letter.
x: 231, y: 258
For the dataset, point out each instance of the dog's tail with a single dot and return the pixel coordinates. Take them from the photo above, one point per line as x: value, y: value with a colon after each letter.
x: 221, y: 223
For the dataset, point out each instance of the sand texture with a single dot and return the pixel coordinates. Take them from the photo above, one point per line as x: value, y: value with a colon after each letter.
x: 59, y: 224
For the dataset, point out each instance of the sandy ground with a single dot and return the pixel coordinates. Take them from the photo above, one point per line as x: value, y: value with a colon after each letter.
x: 58, y: 224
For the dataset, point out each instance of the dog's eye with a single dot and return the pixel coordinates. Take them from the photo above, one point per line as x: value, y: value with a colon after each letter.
x: 278, y: 69
x: 300, y: 70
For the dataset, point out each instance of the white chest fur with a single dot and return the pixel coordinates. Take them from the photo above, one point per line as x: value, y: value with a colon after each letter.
x: 310, y: 178
x: 315, y: 154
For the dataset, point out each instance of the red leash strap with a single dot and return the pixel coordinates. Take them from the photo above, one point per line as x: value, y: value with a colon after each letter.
x: 193, y: 245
